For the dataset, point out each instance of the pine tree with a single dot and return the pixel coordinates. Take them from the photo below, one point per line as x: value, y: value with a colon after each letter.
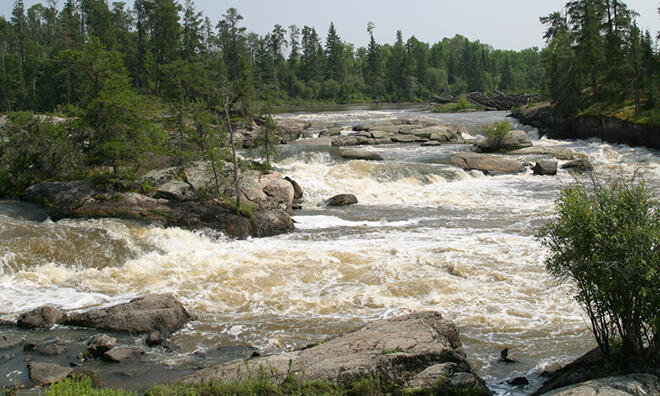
x: 334, y: 60
x: 191, y: 35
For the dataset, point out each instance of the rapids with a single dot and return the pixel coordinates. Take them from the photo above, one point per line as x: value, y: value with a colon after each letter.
x: 424, y: 236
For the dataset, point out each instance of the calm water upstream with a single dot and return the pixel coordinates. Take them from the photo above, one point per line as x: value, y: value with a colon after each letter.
x: 425, y: 236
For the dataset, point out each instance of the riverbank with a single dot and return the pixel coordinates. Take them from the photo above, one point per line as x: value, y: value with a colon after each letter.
x: 607, y: 128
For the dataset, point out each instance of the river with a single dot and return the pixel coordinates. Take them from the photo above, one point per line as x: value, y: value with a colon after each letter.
x: 424, y: 236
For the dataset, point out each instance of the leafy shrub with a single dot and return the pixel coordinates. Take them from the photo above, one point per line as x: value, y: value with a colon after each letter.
x: 496, y: 133
x: 81, y: 387
x: 606, y: 240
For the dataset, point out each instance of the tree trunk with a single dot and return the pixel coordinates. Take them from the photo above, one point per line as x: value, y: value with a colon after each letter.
x: 233, y: 156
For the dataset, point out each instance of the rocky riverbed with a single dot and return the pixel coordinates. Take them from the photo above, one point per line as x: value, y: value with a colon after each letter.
x: 424, y: 236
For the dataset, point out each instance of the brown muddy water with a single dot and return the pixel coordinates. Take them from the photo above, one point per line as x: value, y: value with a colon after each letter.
x: 425, y: 236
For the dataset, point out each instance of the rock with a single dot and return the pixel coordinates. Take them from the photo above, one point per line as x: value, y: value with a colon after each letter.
x: 154, y: 312
x: 52, y: 349
x: 429, y: 376
x: 7, y: 357
x: 268, y: 196
x: 122, y: 354
x: 100, y: 344
x: 297, y: 190
x: 340, y: 141
x: 320, y: 141
x: 7, y: 323
x: 488, y: 164
x: 518, y: 381
x: 355, y: 154
x: 330, y: 132
x: 560, y: 153
x: 626, y: 385
x: 514, y: 140
x: 8, y: 341
x: 545, y: 168
x: 342, y: 200
x: 504, y: 356
x: 578, y: 166
x: 395, y: 350
x: 290, y: 130
x: 47, y: 373
x: 404, y: 138
x: 432, y: 143
x: 40, y: 318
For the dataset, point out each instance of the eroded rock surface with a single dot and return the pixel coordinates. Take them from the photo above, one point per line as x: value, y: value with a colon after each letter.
x: 412, y: 350
x: 491, y: 165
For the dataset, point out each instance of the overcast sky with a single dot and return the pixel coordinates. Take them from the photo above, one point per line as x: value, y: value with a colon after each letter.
x: 504, y: 24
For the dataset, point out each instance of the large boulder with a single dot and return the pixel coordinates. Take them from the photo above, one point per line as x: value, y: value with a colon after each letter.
x: 297, y: 190
x: 155, y: 312
x: 545, y: 168
x: 625, y: 385
x: 489, y: 164
x: 290, y: 130
x: 342, y: 200
x: 40, y: 318
x: 417, y: 350
x: 514, y: 140
x: 122, y: 354
x: 47, y: 373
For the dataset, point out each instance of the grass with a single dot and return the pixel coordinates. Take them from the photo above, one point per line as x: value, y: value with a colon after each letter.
x: 82, y: 387
x: 461, y: 105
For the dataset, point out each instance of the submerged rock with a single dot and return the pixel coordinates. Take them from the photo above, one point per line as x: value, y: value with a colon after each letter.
x: 155, y: 312
x: 122, y: 354
x: 47, y: 373
x: 40, y: 318
x: 8, y: 341
x: 342, y: 200
x: 395, y: 350
x: 489, y: 164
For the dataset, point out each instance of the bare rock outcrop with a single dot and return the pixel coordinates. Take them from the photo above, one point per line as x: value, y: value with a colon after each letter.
x: 417, y: 350
x: 154, y: 312
x: 491, y: 165
x: 40, y: 318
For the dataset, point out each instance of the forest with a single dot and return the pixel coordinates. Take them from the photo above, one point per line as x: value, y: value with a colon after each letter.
x: 172, y: 51
x: 598, y: 61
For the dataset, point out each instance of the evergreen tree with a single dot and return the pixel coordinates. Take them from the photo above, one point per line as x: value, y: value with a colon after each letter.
x: 334, y: 60
x: 191, y: 35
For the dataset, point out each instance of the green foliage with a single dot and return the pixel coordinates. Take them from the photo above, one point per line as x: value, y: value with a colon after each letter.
x: 605, y: 240
x: 496, y: 133
x: 81, y: 387
x: 36, y: 148
x: 461, y: 105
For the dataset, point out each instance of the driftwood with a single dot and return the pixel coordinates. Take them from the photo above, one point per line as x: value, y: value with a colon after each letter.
x: 493, y: 100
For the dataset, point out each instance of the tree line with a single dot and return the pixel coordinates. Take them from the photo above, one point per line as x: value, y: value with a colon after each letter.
x: 598, y: 59
x: 171, y: 50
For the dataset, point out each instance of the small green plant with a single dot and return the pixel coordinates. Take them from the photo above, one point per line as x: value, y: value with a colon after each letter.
x: 391, y: 350
x: 496, y: 132
x: 147, y: 187
x: 606, y: 240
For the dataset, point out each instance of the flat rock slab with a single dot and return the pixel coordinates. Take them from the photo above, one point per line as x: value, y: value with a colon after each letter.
x: 47, y: 373
x: 355, y: 154
x: 155, y: 312
x: 396, y: 350
x: 560, y: 153
x: 491, y: 165
x: 627, y: 385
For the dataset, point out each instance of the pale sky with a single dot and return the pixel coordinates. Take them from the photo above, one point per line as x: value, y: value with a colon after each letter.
x: 504, y: 24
